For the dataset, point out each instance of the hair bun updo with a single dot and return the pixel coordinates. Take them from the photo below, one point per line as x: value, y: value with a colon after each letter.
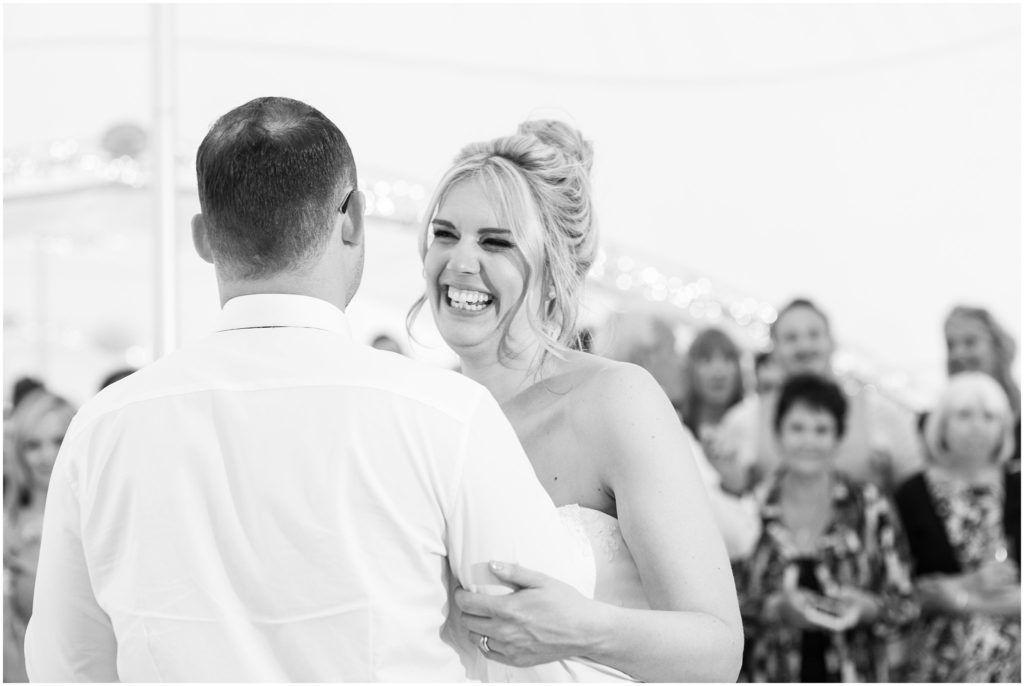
x: 562, y: 137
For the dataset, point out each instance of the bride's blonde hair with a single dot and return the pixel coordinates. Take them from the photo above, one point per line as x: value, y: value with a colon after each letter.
x: 537, y: 177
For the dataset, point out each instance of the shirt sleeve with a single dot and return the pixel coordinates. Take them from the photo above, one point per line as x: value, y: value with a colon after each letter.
x: 69, y: 637
x: 501, y: 512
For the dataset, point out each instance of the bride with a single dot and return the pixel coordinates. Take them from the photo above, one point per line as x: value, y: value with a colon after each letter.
x: 509, y: 239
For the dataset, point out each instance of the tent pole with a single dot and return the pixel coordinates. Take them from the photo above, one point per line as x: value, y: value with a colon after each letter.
x: 164, y: 112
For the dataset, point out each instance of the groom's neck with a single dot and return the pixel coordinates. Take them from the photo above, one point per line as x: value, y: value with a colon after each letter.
x: 290, y: 284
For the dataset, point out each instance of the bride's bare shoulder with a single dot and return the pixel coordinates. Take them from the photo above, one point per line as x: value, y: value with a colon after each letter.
x: 622, y: 419
x: 598, y: 382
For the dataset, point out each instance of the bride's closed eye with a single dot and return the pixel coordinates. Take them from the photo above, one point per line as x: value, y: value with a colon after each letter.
x: 497, y: 244
x: 444, y: 233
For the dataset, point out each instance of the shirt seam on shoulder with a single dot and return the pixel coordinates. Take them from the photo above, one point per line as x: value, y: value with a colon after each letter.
x: 87, y: 422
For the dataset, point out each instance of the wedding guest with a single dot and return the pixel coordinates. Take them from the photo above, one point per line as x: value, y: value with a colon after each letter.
x: 508, y: 241
x: 713, y: 381
x: 22, y: 387
x: 975, y: 341
x: 34, y: 433
x: 16, y: 496
x: 827, y: 584
x: 768, y: 375
x: 880, y: 444
x: 962, y: 519
x: 713, y: 384
x: 649, y: 342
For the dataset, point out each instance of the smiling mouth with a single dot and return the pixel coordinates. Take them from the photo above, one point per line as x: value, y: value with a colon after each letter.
x: 468, y: 300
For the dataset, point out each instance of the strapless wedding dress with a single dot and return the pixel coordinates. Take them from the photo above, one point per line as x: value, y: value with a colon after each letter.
x: 617, y: 583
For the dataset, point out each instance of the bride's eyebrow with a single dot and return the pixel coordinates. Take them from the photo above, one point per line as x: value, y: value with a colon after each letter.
x: 443, y: 222
x: 488, y: 229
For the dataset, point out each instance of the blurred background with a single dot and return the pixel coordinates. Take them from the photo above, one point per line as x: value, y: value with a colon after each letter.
x: 868, y: 157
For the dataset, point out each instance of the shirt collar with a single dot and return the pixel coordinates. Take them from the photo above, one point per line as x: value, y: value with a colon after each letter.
x: 271, y: 310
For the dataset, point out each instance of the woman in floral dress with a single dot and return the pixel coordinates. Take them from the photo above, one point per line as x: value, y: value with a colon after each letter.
x: 962, y: 518
x: 827, y: 585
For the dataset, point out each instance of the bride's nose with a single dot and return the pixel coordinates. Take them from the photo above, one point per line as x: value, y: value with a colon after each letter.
x: 464, y: 259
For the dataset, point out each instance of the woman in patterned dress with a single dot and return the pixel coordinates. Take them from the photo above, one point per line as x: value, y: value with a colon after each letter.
x: 827, y: 584
x: 962, y: 518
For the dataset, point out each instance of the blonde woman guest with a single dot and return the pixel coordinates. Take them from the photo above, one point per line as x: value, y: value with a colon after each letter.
x: 976, y: 342
x: 33, y: 433
x: 962, y: 518
x: 509, y: 238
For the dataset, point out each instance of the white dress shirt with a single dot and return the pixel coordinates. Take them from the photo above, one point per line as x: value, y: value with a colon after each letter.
x: 277, y: 502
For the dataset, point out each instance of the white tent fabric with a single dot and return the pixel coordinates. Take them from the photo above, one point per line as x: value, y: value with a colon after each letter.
x: 867, y: 156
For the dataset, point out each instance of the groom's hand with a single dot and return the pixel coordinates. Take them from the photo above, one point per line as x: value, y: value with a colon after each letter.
x: 543, y: 620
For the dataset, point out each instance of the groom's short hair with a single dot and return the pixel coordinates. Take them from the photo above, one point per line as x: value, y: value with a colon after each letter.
x: 271, y: 175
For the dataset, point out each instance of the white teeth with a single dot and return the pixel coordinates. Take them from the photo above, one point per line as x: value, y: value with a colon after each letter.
x: 468, y: 300
x: 472, y: 307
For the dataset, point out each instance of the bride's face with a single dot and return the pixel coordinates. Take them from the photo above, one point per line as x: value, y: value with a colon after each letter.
x: 474, y: 270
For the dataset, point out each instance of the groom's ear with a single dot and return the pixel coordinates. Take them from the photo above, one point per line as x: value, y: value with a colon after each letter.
x: 201, y: 238
x: 352, y: 219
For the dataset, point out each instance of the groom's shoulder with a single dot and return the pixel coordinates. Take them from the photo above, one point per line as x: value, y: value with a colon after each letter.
x: 169, y: 375
x: 357, y: 370
x: 442, y: 389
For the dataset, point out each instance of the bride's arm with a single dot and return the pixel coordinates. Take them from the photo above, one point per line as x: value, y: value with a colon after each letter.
x: 694, y: 631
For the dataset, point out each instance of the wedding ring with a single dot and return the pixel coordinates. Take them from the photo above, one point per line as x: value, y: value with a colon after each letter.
x: 484, y: 648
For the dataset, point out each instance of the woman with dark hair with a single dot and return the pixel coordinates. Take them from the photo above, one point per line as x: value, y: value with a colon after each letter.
x: 962, y: 518
x: 826, y: 585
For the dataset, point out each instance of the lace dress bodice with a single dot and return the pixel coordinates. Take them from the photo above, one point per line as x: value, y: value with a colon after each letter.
x: 618, y: 580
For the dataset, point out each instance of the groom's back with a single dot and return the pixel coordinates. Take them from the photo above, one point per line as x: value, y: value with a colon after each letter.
x: 269, y: 504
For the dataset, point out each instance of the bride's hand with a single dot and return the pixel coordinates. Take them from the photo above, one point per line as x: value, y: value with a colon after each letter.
x: 542, y: 621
